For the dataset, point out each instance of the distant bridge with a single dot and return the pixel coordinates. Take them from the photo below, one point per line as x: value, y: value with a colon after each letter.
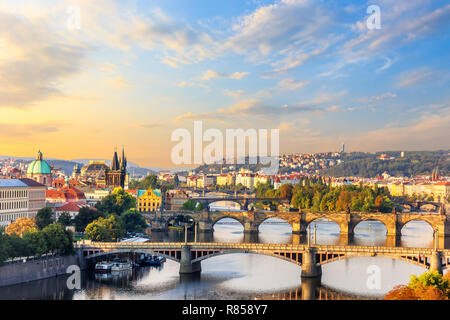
x: 310, y: 258
x: 299, y: 221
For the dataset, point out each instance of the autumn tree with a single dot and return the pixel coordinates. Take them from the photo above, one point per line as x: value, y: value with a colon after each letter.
x: 428, y: 286
x: 20, y: 226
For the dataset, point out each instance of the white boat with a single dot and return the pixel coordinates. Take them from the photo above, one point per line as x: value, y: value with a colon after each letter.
x: 121, y: 266
x: 103, y: 266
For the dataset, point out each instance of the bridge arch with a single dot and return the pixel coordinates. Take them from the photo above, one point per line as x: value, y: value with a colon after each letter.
x: 120, y: 251
x: 419, y: 219
x: 237, y: 205
x: 421, y: 261
x: 285, y: 258
x: 277, y: 217
x: 221, y: 217
x: 369, y: 218
x: 324, y: 219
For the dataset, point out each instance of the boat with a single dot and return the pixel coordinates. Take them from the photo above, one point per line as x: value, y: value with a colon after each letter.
x: 121, y: 266
x: 103, y: 266
x: 176, y: 227
x: 153, y: 261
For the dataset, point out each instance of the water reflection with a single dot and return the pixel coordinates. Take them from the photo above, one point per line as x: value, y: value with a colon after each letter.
x: 249, y: 276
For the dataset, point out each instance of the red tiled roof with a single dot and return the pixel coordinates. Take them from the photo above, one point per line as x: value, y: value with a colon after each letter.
x: 72, y: 207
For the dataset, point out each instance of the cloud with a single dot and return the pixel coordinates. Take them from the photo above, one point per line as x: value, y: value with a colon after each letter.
x: 414, y: 77
x: 119, y: 82
x: 387, y: 95
x: 402, y: 22
x: 17, y: 130
x: 291, y: 84
x: 236, y: 94
x: 211, y: 74
x: 150, y: 125
x: 34, y: 61
x: 255, y: 110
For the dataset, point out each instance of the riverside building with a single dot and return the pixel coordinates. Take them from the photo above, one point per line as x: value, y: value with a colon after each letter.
x: 20, y: 198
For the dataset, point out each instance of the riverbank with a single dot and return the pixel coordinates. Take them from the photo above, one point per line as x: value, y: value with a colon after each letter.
x: 36, y: 269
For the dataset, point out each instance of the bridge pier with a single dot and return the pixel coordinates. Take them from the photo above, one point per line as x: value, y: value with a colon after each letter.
x: 298, y: 227
x: 436, y: 262
x: 251, y: 237
x: 159, y: 225
x: 250, y: 227
x: 205, y: 226
x: 310, y: 268
x: 186, y: 264
x: 309, y: 287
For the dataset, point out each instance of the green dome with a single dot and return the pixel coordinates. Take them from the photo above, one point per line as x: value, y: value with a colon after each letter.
x: 39, y: 166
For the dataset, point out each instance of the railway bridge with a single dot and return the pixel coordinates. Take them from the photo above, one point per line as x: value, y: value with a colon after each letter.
x: 309, y: 257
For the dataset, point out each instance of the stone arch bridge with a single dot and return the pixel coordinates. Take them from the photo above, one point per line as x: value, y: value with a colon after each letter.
x: 310, y: 258
x: 251, y: 220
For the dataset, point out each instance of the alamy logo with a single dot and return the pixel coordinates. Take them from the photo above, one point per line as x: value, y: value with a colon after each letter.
x: 374, y: 20
x: 374, y: 280
x: 234, y: 146
x: 74, y: 280
x: 74, y: 19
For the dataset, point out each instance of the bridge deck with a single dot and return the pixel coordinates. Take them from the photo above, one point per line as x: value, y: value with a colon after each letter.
x: 258, y: 247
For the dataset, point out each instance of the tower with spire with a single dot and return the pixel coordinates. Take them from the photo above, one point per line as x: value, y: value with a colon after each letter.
x: 117, y: 175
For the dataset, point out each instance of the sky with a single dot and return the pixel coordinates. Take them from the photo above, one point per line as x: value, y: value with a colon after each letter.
x: 129, y: 73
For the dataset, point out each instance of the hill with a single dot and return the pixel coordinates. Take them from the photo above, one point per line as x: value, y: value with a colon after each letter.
x: 413, y: 163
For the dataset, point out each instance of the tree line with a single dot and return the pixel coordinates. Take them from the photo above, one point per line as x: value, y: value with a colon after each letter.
x: 27, y: 237
x: 315, y: 195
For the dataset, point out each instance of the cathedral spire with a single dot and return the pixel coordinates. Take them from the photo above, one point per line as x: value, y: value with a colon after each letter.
x: 123, y: 160
x: 115, y: 162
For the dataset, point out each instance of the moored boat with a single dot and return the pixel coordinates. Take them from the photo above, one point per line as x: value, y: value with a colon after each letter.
x: 121, y: 266
x: 153, y: 260
x: 103, y: 266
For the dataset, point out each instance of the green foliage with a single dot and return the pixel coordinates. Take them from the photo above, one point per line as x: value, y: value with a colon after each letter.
x: 192, y: 205
x: 44, y: 217
x: 367, y: 165
x: 431, y: 278
x: 133, y: 221
x: 37, y: 242
x: 52, y: 238
x: 319, y: 197
x: 428, y: 286
x: 65, y: 219
x: 85, y: 216
x: 149, y: 182
x: 57, y: 239
x: 107, y: 230
x: 117, y: 202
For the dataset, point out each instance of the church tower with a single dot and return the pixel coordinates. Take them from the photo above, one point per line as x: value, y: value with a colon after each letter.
x: 116, y: 176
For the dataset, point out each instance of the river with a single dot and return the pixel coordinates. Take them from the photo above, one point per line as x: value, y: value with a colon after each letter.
x: 249, y: 276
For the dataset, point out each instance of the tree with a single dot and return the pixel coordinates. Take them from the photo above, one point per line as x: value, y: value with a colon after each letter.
x: 36, y: 241
x: 428, y: 286
x: 44, y: 217
x: 285, y: 191
x: 4, y: 248
x: 65, y: 219
x: 133, y: 221
x: 85, y: 216
x: 117, y: 202
x: 20, y: 226
x: 191, y: 205
x: 57, y: 239
x: 17, y: 247
x: 109, y: 229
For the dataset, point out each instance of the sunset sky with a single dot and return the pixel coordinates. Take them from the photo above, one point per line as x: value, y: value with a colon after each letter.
x: 137, y: 70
